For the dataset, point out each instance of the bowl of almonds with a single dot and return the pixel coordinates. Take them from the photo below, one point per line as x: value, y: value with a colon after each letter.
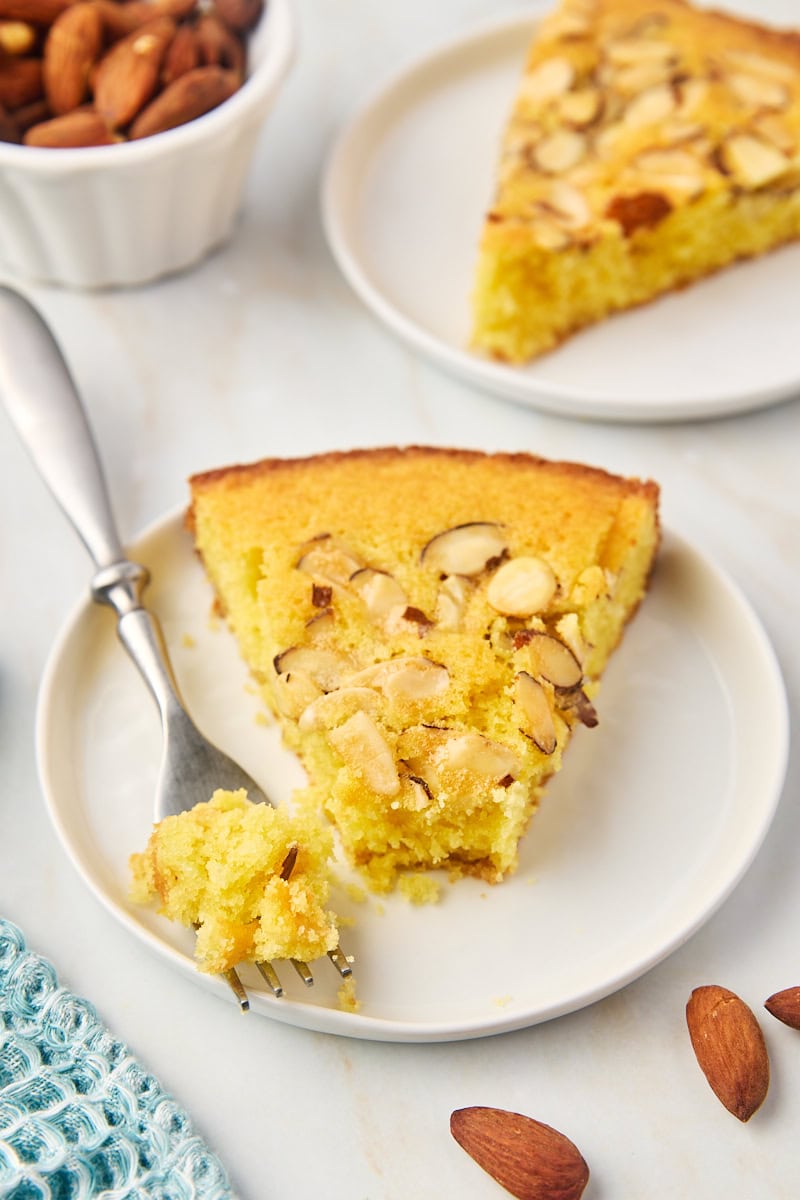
x: 127, y: 128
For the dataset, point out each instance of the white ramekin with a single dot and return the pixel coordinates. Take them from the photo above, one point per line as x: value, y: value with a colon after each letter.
x: 116, y: 216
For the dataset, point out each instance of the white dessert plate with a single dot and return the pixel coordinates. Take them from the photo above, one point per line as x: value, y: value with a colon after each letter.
x: 404, y: 194
x: 655, y: 817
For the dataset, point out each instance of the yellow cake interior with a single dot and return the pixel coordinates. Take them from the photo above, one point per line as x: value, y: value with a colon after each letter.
x: 405, y: 613
x: 252, y: 879
x: 650, y: 143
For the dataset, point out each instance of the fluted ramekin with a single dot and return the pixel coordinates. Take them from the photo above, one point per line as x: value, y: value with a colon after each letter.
x: 121, y: 215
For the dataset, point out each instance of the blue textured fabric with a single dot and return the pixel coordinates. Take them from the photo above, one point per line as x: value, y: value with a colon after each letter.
x: 80, y: 1117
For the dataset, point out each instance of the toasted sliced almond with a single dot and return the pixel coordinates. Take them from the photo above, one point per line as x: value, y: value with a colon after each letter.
x: 550, y: 78
x: 294, y: 692
x: 567, y: 204
x: 561, y: 150
x: 548, y: 658
x: 650, y: 107
x: 415, y: 794
x: 753, y: 162
x: 625, y: 52
x: 631, y: 80
x: 534, y: 716
x: 451, y: 601
x: 364, y: 750
x: 581, y: 107
x: 333, y: 708
x: 568, y: 629
x: 478, y: 755
x: 466, y: 549
x: 549, y: 235
x: 327, y: 559
x: 380, y: 592
x: 760, y: 64
x: 326, y: 667
x: 576, y: 701
x: 775, y: 129
x: 522, y: 586
x: 757, y: 91
x: 408, y: 678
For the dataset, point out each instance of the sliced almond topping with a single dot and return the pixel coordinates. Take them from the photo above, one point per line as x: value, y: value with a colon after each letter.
x: 549, y: 79
x: 411, y: 677
x: 775, y: 129
x: 757, y: 91
x: 628, y: 51
x: 380, y: 592
x: 568, y: 629
x: 332, y: 708
x: 581, y: 107
x: 671, y: 133
x: 294, y: 691
x: 522, y: 586
x: 548, y: 658
x: 478, y: 755
x: 451, y: 601
x: 548, y: 235
x: 650, y: 107
x: 575, y: 700
x: 752, y: 162
x: 693, y: 95
x: 328, y: 559
x: 415, y: 794
x: 321, y: 623
x: 632, y: 80
x: 325, y: 667
x: 560, y: 151
x: 759, y: 64
x: 533, y: 712
x: 364, y: 750
x: 567, y: 204
x: 465, y: 549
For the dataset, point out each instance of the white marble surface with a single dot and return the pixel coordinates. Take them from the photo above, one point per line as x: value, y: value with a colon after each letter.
x: 263, y: 350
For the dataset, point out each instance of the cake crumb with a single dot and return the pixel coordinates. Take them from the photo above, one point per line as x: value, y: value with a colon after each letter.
x: 188, y: 641
x: 420, y: 889
x: 346, y: 996
x: 356, y: 893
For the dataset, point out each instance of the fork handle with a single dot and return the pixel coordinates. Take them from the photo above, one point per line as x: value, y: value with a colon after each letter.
x: 43, y: 403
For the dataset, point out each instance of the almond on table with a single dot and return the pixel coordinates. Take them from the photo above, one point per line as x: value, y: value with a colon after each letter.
x: 650, y: 144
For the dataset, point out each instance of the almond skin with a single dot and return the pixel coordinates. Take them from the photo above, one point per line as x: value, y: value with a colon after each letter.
x: 129, y: 74
x: 73, y: 45
x: 83, y: 127
x: 730, y: 1048
x: 785, y: 1006
x: 20, y: 81
x: 531, y: 1160
x: 190, y: 96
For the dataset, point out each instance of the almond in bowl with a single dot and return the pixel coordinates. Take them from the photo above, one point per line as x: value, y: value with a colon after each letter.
x: 112, y: 110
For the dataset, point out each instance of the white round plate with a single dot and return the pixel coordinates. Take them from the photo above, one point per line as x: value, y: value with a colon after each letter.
x: 653, y: 820
x: 404, y: 195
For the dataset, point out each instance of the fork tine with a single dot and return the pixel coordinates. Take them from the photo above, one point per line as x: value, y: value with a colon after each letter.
x: 237, y: 987
x: 269, y: 974
x: 304, y: 971
x: 339, y: 960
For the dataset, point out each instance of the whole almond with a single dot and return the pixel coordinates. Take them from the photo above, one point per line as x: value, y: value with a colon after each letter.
x: 83, y: 127
x: 190, y: 96
x: 72, y: 47
x: 218, y: 46
x: 31, y: 114
x: 531, y: 1160
x: 20, y: 81
x: 128, y: 75
x: 183, y: 54
x: 730, y: 1048
x: 239, y: 15
x: 785, y: 1006
x: 38, y: 12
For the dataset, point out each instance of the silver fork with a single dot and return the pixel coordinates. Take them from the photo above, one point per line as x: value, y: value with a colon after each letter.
x: 43, y: 403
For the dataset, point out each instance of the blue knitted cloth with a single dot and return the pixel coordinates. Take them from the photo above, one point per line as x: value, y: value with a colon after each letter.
x: 80, y: 1117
